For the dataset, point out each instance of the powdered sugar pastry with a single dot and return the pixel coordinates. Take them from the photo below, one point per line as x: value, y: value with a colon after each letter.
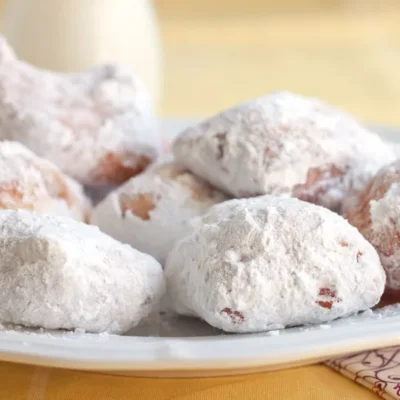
x: 96, y: 126
x: 376, y: 214
x: 30, y: 182
x: 269, y: 262
x: 57, y: 273
x: 283, y: 144
x: 151, y: 211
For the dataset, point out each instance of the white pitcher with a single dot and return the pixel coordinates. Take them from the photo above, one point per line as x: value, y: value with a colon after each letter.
x: 72, y: 35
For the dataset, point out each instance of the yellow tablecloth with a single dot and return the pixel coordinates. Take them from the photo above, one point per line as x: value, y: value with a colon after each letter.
x: 317, y: 382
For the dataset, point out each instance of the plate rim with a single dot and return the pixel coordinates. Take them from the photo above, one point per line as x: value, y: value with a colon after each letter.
x: 197, y: 354
x: 200, y: 356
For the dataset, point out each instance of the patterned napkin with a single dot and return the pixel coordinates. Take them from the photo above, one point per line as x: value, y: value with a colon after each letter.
x: 378, y: 370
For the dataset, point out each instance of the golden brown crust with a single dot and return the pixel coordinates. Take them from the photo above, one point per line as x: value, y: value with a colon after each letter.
x: 139, y: 205
x: 329, y: 297
x: 201, y: 190
x: 116, y: 169
x: 359, y: 216
x: 319, y: 181
x: 385, y: 237
x: 12, y: 198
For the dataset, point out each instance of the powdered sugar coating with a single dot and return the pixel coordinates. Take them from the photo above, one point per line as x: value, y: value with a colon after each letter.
x: 377, y: 216
x: 30, y: 182
x: 270, y: 262
x: 96, y: 126
x: 395, y: 147
x: 151, y: 211
x: 57, y: 273
x: 283, y: 144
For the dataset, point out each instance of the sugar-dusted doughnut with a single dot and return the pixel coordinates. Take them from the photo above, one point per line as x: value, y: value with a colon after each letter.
x: 96, y: 126
x: 33, y: 183
x: 151, y: 211
x: 57, y: 273
x: 268, y: 262
x: 283, y: 144
x: 376, y: 214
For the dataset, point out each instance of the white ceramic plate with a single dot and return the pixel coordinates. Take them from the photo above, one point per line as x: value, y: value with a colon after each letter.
x: 172, y: 346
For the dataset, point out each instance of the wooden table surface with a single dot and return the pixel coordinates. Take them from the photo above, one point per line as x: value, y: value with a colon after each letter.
x: 351, y: 59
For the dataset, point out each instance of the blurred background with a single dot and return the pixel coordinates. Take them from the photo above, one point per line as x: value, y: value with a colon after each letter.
x: 219, y: 52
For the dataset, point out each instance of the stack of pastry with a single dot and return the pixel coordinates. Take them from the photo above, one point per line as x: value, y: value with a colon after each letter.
x: 278, y: 212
